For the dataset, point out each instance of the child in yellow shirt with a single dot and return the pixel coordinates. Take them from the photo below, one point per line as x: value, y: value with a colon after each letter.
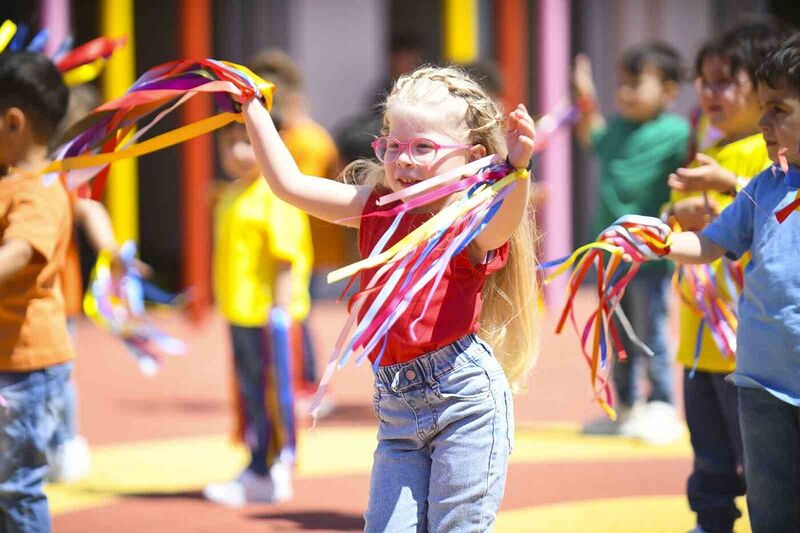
x: 262, y: 261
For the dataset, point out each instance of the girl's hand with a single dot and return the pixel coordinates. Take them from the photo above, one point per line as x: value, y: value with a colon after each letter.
x: 708, y: 176
x: 520, y: 137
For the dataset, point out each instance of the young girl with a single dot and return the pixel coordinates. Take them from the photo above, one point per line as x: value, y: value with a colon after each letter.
x: 443, y: 401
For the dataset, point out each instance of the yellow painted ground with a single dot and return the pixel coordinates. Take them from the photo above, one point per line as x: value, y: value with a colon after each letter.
x: 653, y: 514
x: 187, y: 464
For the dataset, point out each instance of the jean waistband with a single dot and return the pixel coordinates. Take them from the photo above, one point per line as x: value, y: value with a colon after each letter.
x: 429, y: 366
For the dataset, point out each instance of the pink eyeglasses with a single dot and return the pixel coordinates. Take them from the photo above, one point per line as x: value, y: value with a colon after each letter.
x: 388, y: 149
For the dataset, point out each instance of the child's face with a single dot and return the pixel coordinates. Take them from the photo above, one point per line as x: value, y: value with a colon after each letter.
x: 643, y: 96
x: 236, y: 154
x: 403, y: 170
x: 780, y: 122
x: 728, y: 99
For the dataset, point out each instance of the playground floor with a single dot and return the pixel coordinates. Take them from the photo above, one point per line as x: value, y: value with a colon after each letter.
x: 157, y: 441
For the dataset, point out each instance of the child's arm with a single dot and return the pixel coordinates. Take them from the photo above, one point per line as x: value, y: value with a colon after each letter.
x: 92, y: 216
x: 591, y: 118
x: 15, y: 254
x: 693, y: 248
x: 520, y: 134
x: 323, y: 198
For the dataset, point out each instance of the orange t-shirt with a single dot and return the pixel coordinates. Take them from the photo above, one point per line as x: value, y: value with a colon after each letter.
x: 33, y: 327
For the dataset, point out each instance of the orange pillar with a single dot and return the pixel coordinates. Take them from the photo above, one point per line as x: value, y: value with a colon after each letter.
x: 197, y: 164
x: 511, y: 36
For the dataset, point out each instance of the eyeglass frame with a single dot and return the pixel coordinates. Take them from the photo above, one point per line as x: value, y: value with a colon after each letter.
x: 405, y: 147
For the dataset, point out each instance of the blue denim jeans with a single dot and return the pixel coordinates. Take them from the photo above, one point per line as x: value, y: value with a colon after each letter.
x: 645, y: 305
x: 770, y: 434
x: 446, y: 429
x: 34, y: 401
x: 712, y: 413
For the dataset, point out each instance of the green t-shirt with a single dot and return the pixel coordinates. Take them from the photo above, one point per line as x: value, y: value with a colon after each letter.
x: 635, y: 160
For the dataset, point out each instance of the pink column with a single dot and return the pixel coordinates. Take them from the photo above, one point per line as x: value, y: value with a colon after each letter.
x: 555, y: 164
x: 55, y: 19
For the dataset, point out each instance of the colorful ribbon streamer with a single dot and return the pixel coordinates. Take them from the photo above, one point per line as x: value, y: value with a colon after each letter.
x: 634, y: 238
x: 115, y: 300
x: 416, y: 263
x: 107, y: 133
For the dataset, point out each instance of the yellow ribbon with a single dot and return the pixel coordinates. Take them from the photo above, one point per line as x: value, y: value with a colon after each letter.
x: 7, y: 32
x: 164, y: 140
x: 84, y: 73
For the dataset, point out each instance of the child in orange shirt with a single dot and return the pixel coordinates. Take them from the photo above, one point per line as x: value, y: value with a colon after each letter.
x: 35, y: 225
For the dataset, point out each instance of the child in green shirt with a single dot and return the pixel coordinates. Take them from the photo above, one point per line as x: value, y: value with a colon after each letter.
x: 637, y: 149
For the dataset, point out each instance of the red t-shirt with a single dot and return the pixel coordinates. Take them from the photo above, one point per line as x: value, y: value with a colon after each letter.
x: 456, y: 304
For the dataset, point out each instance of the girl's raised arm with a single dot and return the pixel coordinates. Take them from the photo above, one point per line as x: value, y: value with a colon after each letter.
x: 323, y: 198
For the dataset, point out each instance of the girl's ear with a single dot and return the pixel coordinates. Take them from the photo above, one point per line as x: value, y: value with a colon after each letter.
x: 476, y: 152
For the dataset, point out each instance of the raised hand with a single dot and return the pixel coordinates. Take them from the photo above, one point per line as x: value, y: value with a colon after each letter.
x: 582, y: 79
x: 520, y: 137
x: 708, y: 176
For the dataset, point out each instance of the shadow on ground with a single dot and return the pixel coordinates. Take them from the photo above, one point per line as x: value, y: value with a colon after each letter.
x: 317, y: 520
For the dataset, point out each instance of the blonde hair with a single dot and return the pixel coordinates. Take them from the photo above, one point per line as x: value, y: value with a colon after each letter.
x: 509, y: 318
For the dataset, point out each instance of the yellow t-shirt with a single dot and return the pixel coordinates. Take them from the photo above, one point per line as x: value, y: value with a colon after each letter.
x: 315, y: 153
x: 745, y: 158
x: 253, y: 231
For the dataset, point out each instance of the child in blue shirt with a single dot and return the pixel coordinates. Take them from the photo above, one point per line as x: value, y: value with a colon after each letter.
x: 768, y: 338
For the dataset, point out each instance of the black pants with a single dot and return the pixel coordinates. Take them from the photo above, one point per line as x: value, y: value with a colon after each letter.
x: 717, y: 478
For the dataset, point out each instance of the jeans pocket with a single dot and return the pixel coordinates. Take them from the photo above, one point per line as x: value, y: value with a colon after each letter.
x: 510, y: 427
x: 468, y: 383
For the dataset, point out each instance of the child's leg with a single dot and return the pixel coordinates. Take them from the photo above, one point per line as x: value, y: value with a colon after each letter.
x: 649, y: 319
x: 398, y: 492
x: 770, y: 438
x: 715, y: 480
x: 27, y: 422
x: 249, y: 353
x: 470, y: 451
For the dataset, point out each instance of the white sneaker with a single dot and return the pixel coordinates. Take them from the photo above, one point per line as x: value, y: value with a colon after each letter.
x: 71, y: 461
x: 246, y: 488
x: 281, y: 475
x: 660, y: 424
x: 627, y: 419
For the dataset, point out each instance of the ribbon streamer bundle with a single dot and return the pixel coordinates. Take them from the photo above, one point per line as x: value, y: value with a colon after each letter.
x: 415, y: 264
x: 79, y: 66
x: 640, y: 239
x: 107, y: 133
x: 115, y: 301
x: 713, y: 291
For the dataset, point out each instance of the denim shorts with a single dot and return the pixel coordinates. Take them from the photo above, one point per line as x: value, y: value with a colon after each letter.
x: 33, y: 403
x: 446, y: 429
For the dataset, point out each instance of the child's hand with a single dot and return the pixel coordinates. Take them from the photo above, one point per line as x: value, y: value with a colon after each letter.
x: 693, y: 214
x: 582, y: 79
x: 520, y: 135
x: 709, y: 176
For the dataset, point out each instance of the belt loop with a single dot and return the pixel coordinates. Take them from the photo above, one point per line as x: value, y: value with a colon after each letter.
x: 395, y: 381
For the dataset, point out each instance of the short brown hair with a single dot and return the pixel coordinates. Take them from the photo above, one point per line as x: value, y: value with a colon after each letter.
x: 276, y: 66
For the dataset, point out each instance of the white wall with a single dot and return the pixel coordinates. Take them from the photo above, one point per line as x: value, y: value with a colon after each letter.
x: 341, y: 47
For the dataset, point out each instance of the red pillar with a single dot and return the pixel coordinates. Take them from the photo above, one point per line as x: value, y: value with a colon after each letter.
x: 511, y: 35
x: 196, y: 164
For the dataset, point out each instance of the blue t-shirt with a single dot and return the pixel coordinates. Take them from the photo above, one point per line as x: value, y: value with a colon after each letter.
x: 768, y: 339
